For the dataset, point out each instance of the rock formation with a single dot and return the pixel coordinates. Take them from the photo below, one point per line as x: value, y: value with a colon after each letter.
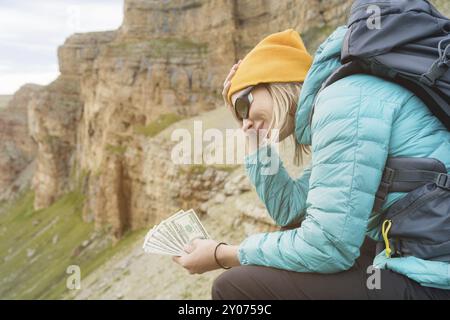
x: 168, y: 57
x: 17, y: 148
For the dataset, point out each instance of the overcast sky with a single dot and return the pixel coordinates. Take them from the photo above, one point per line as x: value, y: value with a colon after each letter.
x: 31, y: 31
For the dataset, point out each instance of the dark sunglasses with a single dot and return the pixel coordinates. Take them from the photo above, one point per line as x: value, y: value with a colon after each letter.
x: 242, y: 104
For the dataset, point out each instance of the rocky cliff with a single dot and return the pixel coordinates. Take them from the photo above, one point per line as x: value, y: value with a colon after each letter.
x: 95, y: 126
x: 17, y: 148
x: 92, y: 124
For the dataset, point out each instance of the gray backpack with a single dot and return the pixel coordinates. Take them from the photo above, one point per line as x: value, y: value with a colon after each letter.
x: 418, y: 224
x: 409, y: 46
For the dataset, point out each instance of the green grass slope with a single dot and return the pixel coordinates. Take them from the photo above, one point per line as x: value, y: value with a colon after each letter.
x: 37, y: 247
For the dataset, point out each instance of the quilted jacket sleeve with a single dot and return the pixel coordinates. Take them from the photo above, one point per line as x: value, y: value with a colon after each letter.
x: 284, y: 197
x: 350, y: 139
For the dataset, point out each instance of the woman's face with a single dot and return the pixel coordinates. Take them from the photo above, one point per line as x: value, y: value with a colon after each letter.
x: 261, y: 113
x: 261, y: 109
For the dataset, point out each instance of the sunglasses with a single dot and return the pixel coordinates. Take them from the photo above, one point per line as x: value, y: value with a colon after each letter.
x: 242, y: 104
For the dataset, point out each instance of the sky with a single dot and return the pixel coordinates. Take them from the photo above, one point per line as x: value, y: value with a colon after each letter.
x: 31, y: 31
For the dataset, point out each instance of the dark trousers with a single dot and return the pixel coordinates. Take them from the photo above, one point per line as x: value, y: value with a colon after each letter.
x: 263, y: 283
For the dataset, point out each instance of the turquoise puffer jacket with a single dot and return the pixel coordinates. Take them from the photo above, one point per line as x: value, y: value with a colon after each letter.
x: 357, y: 123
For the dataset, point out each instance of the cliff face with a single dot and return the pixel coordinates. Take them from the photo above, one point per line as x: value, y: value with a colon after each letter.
x: 17, y: 148
x: 91, y: 124
x: 166, y: 58
x: 55, y: 114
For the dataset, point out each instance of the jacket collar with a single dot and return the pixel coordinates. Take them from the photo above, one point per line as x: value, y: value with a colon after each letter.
x: 326, y: 60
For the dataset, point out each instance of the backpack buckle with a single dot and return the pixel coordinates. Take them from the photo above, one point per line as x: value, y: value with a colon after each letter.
x: 437, y: 70
x: 443, y: 181
x: 388, y: 176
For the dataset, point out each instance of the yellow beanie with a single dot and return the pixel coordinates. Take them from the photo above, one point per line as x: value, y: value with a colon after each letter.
x: 281, y: 57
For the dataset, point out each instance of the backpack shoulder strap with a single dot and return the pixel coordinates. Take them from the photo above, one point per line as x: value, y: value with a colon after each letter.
x: 352, y: 67
x: 437, y: 103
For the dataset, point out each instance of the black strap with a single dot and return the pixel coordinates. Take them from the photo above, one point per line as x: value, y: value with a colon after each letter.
x: 384, y: 188
x: 414, y: 178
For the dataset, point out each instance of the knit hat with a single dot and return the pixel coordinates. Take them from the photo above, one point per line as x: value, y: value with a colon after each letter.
x: 281, y: 57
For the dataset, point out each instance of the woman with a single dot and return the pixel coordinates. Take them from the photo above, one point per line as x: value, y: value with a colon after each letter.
x: 355, y: 124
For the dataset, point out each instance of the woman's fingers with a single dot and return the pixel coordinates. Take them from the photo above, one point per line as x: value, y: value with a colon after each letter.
x: 227, y: 85
x: 230, y: 75
x: 188, y: 248
x: 232, y: 72
x: 226, y: 88
x: 176, y: 260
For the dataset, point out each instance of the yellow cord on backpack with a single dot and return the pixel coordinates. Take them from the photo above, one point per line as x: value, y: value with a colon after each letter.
x: 387, y: 224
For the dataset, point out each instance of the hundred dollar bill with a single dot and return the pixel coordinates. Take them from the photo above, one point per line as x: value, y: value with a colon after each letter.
x: 172, y: 235
x: 165, y: 242
x: 152, y: 243
x: 159, y: 240
x: 148, y: 248
x: 188, y: 227
x: 170, y: 232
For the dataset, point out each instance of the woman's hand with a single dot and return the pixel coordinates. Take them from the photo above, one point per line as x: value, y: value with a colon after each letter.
x: 255, y: 140
x: 200, y: 257
x: 226, y: 89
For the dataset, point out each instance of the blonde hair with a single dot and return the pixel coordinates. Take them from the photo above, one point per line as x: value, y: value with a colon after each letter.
x: 285, y: 97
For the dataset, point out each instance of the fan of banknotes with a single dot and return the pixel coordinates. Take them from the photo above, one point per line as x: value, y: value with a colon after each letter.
x: 171, y: 235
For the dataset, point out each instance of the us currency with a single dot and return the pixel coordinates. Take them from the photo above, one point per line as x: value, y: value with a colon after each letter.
x: 166, y: 228
x: 155, y: 241
x: 188, y: 227
x: 172, y: 235
x: 149, y: 248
